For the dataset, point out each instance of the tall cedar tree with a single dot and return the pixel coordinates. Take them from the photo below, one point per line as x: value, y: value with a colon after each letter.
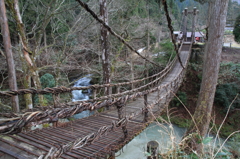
x: 212, y: 56
x: 9, y: 56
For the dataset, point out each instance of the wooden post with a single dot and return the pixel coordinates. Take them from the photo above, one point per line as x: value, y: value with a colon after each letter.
x: 94, y: 93
x: 120, y: 107
x: 193, y: 23
x: 152, y: 148
x: 112, y: 155
x: 54, y: 96
x: 118, y: 89
x: 146, y: 108
x: 185, y: 25
x: 183, y: 20
x: 9, y: 56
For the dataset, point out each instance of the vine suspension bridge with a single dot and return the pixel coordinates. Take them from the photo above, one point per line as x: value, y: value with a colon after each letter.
x: 126, y: 113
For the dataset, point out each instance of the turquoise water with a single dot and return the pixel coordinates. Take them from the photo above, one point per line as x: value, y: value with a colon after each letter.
x: 136, y: 149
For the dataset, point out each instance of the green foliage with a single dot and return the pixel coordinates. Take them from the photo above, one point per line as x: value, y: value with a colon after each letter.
x: 174, y: 8
x: 225, y: 93
x: 207, y: 140
x: 43, y: 17
x: 166, y: 52
x: 180, y: 122
x: 228, y: 32
x: 229, y: 79
x: 236, y: 30
x: 200, y: 1
x: 182, y: 97
x: 229, y: 73
x: 137, y: 8
x: 46, y: 125
x: 234, y: 145
x: 47, y: 80
x: 224, y: 154
x: 139, y: 68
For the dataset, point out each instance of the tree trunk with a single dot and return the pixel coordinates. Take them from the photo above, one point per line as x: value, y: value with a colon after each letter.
x: 8, y: 51
x: 212, y: 57
x: 28, y: 97
x: 14, y: 7
x: 104, y: 46
x: 146, y: 72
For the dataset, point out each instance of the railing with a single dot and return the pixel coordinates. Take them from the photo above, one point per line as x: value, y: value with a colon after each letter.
x: 170, y: 88
x: 14, y: 125
x: 118, y: 99
x: 52, y: 115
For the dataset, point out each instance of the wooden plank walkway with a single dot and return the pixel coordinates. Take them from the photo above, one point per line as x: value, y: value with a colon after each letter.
x: 32, y: 144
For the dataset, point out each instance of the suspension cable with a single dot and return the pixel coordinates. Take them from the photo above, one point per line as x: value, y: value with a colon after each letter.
x: 171, y: 30
x: 85, y: 6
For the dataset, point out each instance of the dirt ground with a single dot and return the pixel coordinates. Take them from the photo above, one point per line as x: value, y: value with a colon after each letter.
x: 230, y: 54
x: 230, y: 39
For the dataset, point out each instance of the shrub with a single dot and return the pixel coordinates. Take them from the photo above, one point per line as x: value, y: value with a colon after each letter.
x: 166, y: 52
x: 47, y: 80
x: 182, y: 97
x: 225, y: 93
x: 229, y: 72
x: 234, y: 145
x: 236, y: 30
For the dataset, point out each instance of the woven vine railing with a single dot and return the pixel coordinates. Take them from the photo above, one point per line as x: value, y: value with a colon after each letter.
x: 14, y: 125
x: 119, y: 98
x: 171, y: 88
x: 52, y: 115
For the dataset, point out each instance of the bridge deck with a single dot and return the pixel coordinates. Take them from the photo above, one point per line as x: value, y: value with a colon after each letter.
x: 32, y: 144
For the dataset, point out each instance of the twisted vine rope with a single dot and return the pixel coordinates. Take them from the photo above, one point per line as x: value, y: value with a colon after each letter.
x: 15, y: 125
x: 62, y: 89
x: 55, y: 152
x: 164, y: 2
x: 85, y: 6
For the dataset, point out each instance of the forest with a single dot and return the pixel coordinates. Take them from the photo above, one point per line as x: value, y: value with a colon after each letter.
x: 56, y: 43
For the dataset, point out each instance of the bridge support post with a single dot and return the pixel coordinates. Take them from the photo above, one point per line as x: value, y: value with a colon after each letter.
x: 94, y: 93
x: 120, y: 107
x: 193, y: 23
x: 152, y: 148
x: 112, y: 155
x: 145, y: 108
x: 118, y: 89
x: 55, y: 100
x: 185, y: 25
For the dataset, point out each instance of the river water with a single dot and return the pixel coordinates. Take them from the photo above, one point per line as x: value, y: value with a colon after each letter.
x: 81, y: 95
x: 136, y: 149
x: 167, y: 136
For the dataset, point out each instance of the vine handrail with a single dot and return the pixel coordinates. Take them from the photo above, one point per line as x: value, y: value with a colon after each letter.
x: 62, y: 89
x: 15, y: 125
x: 104, y: 130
